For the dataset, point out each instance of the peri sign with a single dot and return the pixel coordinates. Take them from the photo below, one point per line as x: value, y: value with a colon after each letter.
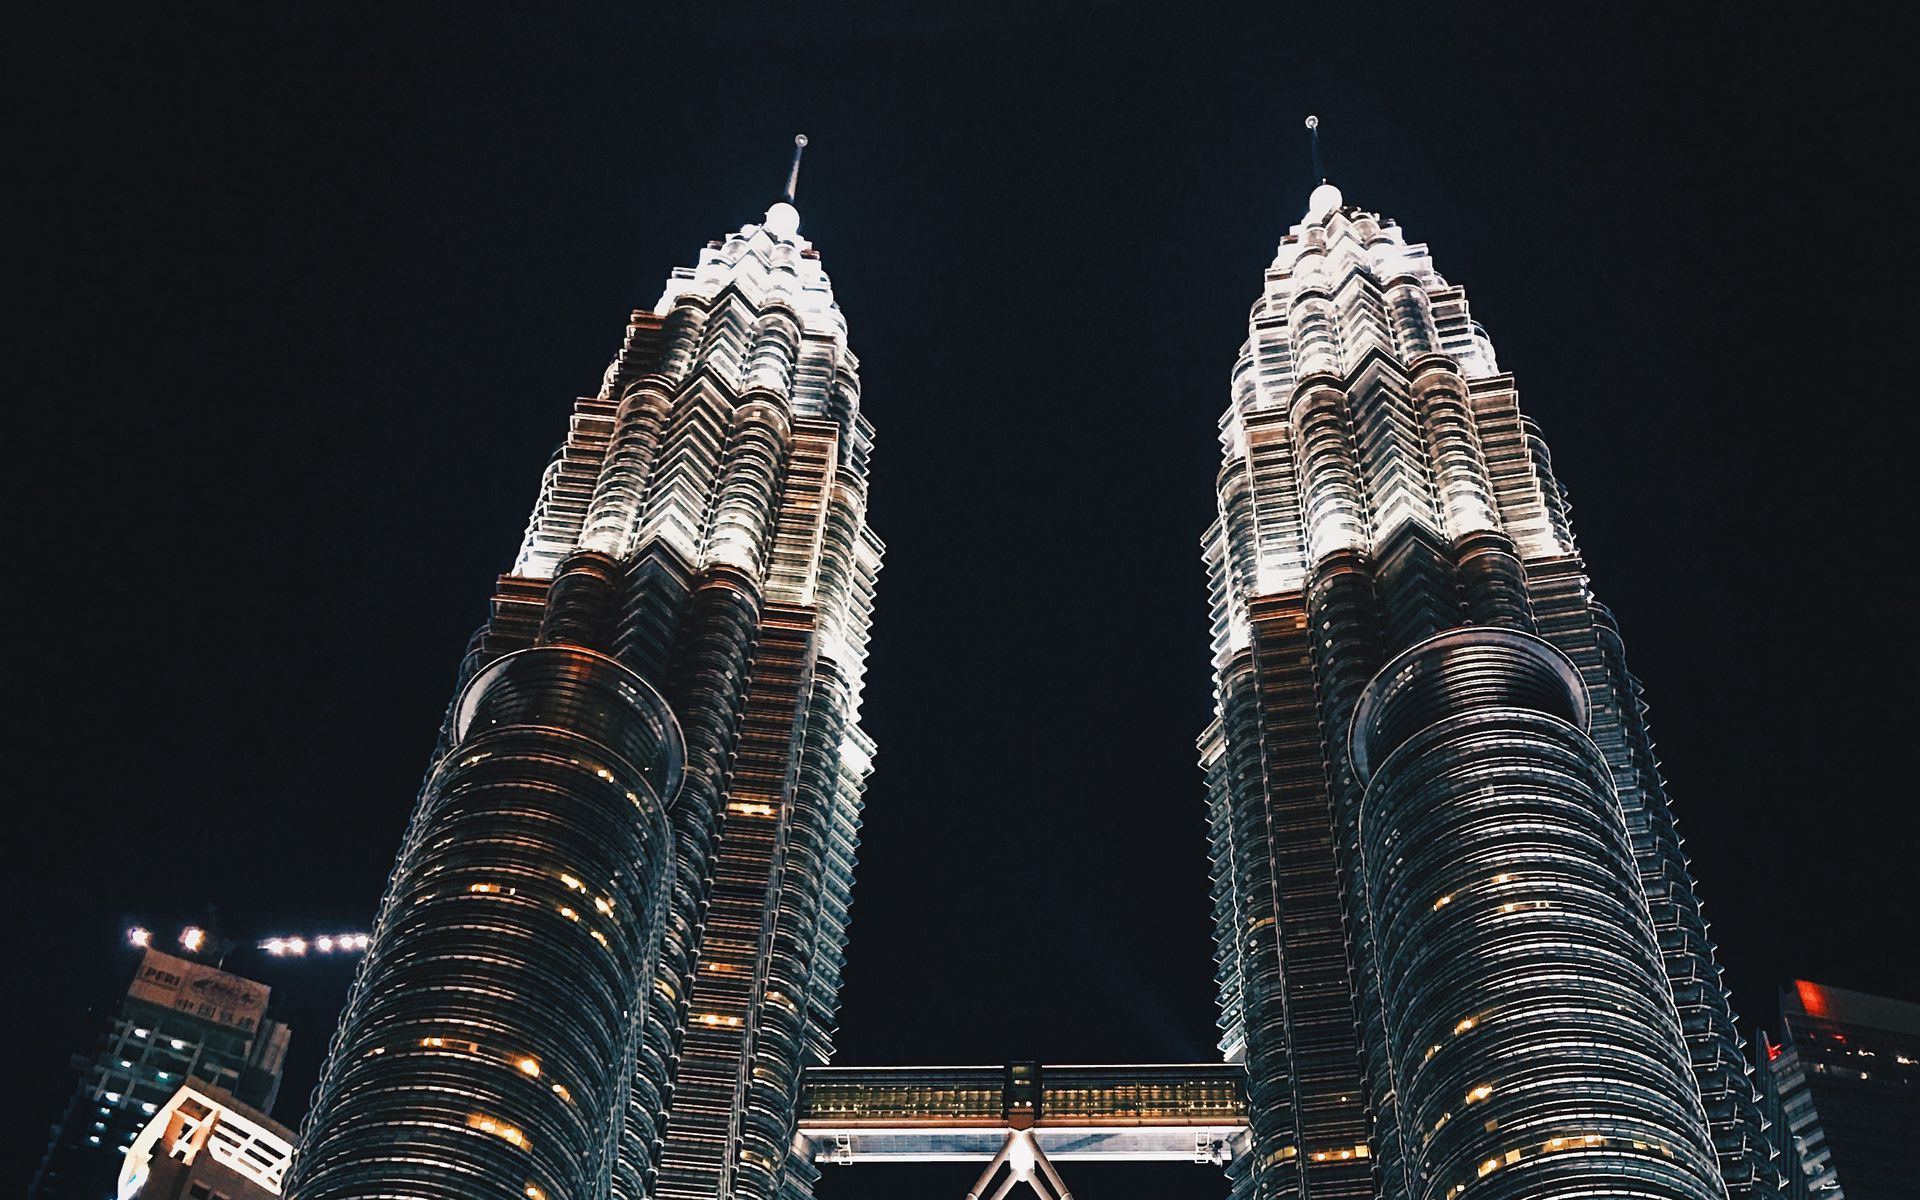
x: 200, y: 991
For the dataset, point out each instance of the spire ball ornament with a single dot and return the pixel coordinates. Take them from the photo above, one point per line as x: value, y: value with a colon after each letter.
x: 1324, y: 201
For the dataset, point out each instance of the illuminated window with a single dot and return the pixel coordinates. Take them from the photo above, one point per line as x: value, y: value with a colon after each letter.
x: 497, y: 1128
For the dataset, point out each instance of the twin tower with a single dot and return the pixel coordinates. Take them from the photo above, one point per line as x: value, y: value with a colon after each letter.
x: 1458, y: 949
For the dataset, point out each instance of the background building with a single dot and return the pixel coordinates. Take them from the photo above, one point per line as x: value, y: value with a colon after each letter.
x: 614, y: 935
x: 1847, y: 1076
x: 206, y: 1145
x: 179, y: 1018
x: 1456, y: 933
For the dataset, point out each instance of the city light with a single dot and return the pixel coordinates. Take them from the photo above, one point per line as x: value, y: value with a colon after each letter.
x: 326, y: 943
x: 139, y: 937
x: 192, y: 938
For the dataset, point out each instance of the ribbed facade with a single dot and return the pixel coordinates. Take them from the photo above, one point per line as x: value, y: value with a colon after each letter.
x: 1457, y: 943
x: 614, y: 935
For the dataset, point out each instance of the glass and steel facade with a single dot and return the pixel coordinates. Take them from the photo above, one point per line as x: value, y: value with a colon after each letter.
x: 613, y: 937
x: 1499, y: 884
x: 1454, y: 925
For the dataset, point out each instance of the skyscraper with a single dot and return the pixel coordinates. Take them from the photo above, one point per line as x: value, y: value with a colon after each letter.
x: 614, y: 934
x: 179, y: 1017
x: 1455, y: 931
x: 1847, y: 1078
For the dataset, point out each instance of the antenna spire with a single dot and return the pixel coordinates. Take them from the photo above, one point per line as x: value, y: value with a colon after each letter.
x: 793, y: 176
x: 1313, y: 140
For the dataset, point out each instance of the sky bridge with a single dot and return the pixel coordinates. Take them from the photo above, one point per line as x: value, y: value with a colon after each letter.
x: 1021, y: 1118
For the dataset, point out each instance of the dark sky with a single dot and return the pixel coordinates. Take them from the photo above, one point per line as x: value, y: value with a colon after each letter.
x: 303, y: 294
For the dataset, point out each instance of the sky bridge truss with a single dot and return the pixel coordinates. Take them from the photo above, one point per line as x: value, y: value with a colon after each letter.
x: 1021, y: 1118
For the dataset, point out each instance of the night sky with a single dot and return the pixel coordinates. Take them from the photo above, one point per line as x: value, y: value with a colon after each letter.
x: 303, y: 295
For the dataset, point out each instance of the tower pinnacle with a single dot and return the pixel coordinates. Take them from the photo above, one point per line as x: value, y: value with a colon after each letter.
x: 783, y: 219
x: 1326, y: 197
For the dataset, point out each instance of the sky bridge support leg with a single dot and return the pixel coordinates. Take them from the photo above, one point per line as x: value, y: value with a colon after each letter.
x: 1025, y: 1163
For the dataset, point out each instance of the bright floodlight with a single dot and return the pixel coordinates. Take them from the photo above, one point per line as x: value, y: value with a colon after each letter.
x: 192, y: 938
x: 326, y: 943
x: 139, y: 937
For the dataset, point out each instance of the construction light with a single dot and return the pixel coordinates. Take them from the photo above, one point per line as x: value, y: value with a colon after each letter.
x: 326, y: 943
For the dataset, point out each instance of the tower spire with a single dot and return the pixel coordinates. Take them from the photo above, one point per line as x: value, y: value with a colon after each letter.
x: 793, y: 176
x: 1325, y: 197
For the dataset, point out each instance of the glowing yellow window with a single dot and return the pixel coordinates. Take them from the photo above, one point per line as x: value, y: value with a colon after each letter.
x: 497, y: 1128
